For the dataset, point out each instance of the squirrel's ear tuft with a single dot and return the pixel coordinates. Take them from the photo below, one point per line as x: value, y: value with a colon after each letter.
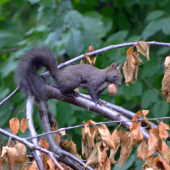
x: 119, y: 67
x: 113, y: 65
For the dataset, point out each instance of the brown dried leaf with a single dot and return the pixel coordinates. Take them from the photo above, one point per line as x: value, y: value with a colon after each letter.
x: 106, y: 164
x: 166, y: 83
x: 123, y: 136
x: 137, y: 58
x: 148, y: 163
x: 115, y: 137
x: 126, y: 149
x: 88, y: 135
x: 137, y: 135
x: 43, y: 143
x: 143, y: 113
x: 116, y: 140
x: 1, y: 160
x: 134, y: 125
x: 56, y: 136
x: 158, y: 163
x: 142, y: 151
x: 166, y: 126
x: 14, y: 125
x: 93, y: 157
x: 153, y: 141
x: 90, y: 59
x: 65, y: 144
x: 34, y: 166
x: 24, y: 163
x: 163, y: 151
x: 73, y: 149
x: 24, y: 125
x: 106, y: 136
x: 50, y: 164
x: 10, y: 155
x: 129, y: 66
x: 21, y: 150
x: 135, y: 74
x: 163, y: 134
x: 143, y: 48
x: 167, y: 61
x: 112, y: 154
x: 98, y: 155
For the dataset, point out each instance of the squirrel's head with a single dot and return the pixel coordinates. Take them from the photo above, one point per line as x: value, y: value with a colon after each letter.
x: 113, y: 74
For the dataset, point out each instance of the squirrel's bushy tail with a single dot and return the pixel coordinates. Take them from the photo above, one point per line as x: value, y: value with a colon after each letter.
x: 26, y: 73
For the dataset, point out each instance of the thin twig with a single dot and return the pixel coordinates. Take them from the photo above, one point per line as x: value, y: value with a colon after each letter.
x: 56, y: 162
x: 7, y: 98
x: 95, y: 124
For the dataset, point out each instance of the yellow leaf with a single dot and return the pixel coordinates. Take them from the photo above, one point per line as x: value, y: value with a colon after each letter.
x: 24, y: 125
x: 14, y: 125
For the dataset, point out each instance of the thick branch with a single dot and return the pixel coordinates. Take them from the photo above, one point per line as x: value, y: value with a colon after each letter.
x: 88, y: 104
x: 29, y: 115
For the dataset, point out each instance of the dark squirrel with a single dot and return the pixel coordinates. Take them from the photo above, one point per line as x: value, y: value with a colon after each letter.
x: 68, y: 79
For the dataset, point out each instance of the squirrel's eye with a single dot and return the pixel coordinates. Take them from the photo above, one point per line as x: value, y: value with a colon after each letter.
x: 114, y: 75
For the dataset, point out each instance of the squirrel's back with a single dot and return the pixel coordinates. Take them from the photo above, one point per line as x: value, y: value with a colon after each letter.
x: 26, y: 73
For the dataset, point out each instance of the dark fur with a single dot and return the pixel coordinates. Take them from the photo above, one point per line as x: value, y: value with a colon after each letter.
x: 68, y: 79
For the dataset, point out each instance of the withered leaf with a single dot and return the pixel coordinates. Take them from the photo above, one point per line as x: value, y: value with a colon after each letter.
x: 24, y: 125
x: 14, y: 125
x: 142, y: 151
x: 143, y: 48
x: 166, y: 80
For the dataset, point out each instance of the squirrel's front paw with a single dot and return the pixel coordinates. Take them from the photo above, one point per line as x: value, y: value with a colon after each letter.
x: 98, y: 102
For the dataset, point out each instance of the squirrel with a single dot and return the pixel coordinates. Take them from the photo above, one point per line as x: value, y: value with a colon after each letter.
x: 67, y: 79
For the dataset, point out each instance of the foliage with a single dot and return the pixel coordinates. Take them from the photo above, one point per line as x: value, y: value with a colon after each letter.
x: 68, y: 28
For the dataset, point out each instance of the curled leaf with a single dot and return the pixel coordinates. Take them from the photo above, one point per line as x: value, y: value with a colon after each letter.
x: 143, y: 48
x: 166, y: 80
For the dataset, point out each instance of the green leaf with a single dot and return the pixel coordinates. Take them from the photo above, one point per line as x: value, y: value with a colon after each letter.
x: 74, y: 43
x: 163, y: 51
x: 160, y: 109
x: 3, y: 93
x: 8, y: 38
x: 134, y: 38
x: 151, y: 67
x: 63, y: 113
x: 118, y: 36
x: 90, y: 39
x: 107, y: 24
x: 5, y: 113
x: 133, y: 90
x: 155, y: 15
x: 148, y: 98
x: 53, y: 106
x: 73, y: 19
x: 7, y: 67
x: 152, y: 28
x: 41, y: 28
x: 33, y: 1
x: 3, y: 2
x: 166, y: 26
x: 95, y: 26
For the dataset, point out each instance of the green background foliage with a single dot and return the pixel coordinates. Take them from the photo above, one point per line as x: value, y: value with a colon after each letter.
x: 68, y: 28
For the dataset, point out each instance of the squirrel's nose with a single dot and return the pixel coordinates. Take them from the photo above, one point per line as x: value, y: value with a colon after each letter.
x: 119, y: 84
